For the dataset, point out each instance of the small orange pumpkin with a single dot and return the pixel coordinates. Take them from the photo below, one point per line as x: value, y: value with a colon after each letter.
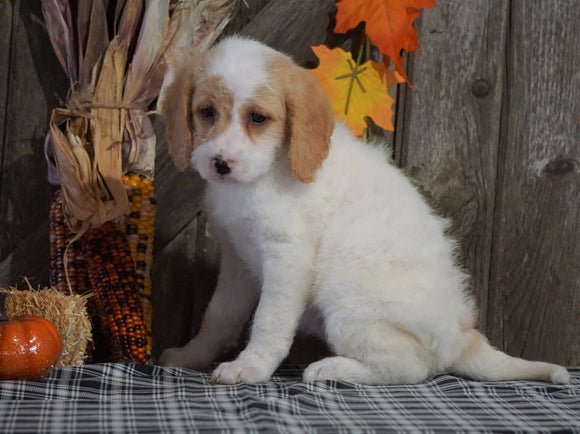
x: 29, y: 346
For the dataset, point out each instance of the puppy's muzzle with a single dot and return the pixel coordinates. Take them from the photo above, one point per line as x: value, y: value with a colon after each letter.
x: 222, y: 167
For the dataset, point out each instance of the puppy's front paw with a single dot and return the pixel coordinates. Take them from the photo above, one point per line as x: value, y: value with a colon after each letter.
x: 240, y: 371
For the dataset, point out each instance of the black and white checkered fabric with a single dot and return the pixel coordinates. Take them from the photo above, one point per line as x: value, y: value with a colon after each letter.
x: 135, y: 398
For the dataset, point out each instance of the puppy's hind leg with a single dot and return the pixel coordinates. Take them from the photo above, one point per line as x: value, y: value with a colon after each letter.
x: 379, y: 354
x: 339, y: 368
x: 480, y: 360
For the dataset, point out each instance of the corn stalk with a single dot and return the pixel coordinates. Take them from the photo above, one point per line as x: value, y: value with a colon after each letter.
x: 116, y: 70
x: 116, y: 67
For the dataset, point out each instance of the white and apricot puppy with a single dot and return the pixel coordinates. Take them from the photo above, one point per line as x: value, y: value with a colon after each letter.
x: 317, y: 231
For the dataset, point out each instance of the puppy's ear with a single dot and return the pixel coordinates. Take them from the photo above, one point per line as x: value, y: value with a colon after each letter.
x: 175, y: 108
x: 310, y: 123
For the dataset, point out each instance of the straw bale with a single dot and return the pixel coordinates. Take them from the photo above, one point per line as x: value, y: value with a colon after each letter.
x: 67, y: 313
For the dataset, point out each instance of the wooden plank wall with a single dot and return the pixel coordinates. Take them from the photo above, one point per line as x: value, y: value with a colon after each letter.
x: 491, y: 136
x: 32, y: 83
x: 535, y: 261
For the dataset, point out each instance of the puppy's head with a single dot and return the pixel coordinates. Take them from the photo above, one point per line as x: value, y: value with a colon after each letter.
x: 242, y: 108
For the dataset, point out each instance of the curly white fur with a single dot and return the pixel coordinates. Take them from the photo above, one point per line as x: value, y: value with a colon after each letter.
x: 317, y: 230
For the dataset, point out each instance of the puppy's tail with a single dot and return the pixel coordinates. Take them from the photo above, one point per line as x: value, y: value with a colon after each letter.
x: 481, y: 361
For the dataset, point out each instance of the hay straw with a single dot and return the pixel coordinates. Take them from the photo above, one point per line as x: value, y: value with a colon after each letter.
x: 67, y: 313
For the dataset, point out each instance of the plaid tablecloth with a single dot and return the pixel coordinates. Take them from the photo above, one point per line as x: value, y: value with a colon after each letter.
x: 136, y: 398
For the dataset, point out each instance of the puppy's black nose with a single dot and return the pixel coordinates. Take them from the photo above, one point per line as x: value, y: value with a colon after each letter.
x: 221, y: 166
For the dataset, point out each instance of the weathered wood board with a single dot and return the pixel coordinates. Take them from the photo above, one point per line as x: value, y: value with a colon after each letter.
x: 34, y: 81
x: 535, y: 261
x: 494, y: 144
x: 6, y: 26
x: 448, y: 137
x: 292, y: 26
x: 491, y: 137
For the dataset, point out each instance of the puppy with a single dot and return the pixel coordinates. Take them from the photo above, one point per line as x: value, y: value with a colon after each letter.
x: 319, y: 232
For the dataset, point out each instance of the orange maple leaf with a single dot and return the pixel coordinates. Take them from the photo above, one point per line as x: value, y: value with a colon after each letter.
x: 355, y: 91
x: 388, y: 76
x: 389, y: 24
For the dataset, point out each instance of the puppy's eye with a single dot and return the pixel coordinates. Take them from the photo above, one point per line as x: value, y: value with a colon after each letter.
x: 207, y: 112
x: 257, y: 118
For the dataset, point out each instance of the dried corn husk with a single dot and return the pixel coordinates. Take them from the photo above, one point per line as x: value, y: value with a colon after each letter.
x: 196, y: 26
x: 104, y: 131
x: 66, y: 312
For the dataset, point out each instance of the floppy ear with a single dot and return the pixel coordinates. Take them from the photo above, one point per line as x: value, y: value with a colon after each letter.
x: 310, y: 122
x: 175, y: 108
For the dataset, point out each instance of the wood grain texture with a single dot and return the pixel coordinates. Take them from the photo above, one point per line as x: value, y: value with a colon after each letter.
x: 5, y: 33
x: 29, y: 260
x: 535, y: 280
x: 32, y: 87
x: 448, y: 130
x: 244, y: 12
x: 292, y: 26
x: 184, y: 276
x: 179, y: 194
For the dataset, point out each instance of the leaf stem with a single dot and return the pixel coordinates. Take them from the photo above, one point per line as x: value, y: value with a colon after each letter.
x: 349, y: 93
x: 360, y: 50
x: 354, y: 74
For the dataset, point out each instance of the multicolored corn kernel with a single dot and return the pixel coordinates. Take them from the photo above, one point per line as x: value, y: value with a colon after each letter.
x: 112, y: 276
x: 66, y: 257
x: 140, y: 230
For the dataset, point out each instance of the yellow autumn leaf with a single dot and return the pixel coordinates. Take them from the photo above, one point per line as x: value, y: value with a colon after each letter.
x: 355, y: 91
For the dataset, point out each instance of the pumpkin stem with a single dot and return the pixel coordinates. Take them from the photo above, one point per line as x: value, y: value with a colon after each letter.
x: 3, y: 314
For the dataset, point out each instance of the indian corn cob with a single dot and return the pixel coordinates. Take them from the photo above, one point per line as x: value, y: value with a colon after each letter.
x: 112, y: 275
x: 74, y: 276
x: 61, y: 247
x: 140, y: 231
